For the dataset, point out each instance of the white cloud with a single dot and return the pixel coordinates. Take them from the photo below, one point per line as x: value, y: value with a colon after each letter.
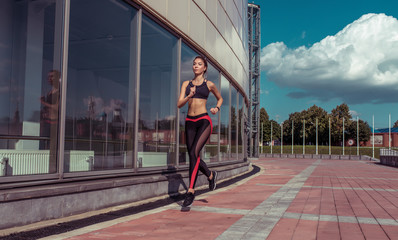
x: 277, y: 117
x: 354, y: 114
x: 358, y: 65
x: 99, y: 105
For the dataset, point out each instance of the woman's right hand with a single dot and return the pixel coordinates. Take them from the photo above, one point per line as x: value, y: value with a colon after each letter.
x: 192, y: 92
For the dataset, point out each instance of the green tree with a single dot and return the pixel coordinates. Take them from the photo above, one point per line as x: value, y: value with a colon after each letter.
x: 313, y: 115
x: 264, y: 125
x: 336, y: 117
x: 364, y: 130
x: 263, y: 116
x: 266, y: 131
x: 296, y: 120
x: 276, y: 131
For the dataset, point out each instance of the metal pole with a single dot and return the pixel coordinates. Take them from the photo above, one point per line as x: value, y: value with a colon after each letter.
x: 262, y: 137
x: 304, y: 138
x: 316, y: 136
x: 281, y: 137
x: 357, y: 136
x: 330, y: 140
x: 157, y: 130
x: 373, y: 132
x: 389, y: 131
x: 271, y: 138
x: 343, y: 136
x: 292, y: 135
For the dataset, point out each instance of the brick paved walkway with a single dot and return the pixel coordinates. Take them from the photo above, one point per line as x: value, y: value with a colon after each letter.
x: 287, y: 199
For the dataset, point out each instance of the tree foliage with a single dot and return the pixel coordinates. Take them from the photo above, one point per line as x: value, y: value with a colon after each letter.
x: 340, y: 118
x: 263, y: 116
x: 264, y: 126
x: 364, y: 130
x: 318, y: 123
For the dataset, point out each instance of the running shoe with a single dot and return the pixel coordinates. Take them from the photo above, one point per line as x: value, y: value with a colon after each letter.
x: 189, y: 197
x: 213, y: 181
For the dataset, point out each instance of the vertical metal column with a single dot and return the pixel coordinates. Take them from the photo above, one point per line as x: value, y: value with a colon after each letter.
x: 254, y: 77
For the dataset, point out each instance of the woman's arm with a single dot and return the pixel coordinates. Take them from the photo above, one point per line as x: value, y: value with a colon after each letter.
x: 217, y: 94
x: 182, y: 100
x: 53, y: 102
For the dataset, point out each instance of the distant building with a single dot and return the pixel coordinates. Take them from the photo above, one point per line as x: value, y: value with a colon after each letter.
x: 381, y: 137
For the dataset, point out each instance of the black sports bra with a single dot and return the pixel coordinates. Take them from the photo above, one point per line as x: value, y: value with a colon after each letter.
x: 202, y: 91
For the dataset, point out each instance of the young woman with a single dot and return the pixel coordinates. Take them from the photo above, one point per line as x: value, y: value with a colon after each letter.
x: 198, y: 125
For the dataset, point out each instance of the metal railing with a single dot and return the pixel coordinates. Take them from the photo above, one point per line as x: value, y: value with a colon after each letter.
x: 389, y: 157
x: 388, y: 152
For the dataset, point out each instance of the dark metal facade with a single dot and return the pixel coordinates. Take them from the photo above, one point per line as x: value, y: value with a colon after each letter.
x: 254, y: 33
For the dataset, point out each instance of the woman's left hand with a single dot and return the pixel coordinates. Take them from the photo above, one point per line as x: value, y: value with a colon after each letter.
x: 214, y: 110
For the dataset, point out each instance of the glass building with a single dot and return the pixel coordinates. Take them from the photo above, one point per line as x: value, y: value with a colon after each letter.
x: 89, y: 88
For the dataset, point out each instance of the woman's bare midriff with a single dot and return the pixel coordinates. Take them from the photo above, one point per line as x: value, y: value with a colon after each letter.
x: 196, y: 106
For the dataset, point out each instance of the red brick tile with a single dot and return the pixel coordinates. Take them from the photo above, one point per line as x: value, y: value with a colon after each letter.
x: 173, y: 224
x: 168, y: 225
x: 392, y: 231
x: 373, y: 231
x: 328, y: 230
x: 284, y: 229
x: 305, y: 230
x: 252, y: 195
x: 350, y: 231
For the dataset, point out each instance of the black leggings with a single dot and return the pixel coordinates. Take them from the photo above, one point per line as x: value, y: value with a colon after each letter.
x: 197, y: 129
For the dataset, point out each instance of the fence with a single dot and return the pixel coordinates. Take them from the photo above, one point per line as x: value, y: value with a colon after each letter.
x: 319, y: 156
x: 24, y: 162
x: 389, y: 157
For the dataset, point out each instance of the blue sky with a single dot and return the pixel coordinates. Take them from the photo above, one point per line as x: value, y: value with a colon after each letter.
x: 328, y: 53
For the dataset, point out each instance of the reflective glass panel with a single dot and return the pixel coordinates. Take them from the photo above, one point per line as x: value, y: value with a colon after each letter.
x: 158, y: 96
x: 210, y: 151
x: 234, y: 124
x: 100, y: 95
x: 187, y: 56
x: 30, y: 79
x: 241, y: 128
x: 225, y: 147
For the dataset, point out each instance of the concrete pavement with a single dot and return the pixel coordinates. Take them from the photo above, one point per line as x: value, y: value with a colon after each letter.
x: 286, y: 199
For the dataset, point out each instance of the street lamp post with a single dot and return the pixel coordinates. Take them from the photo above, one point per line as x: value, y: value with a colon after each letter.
x: 281, y: 137
x: 292, y: 135
x: 271, y: 138
x: 304, y: 138
x: 389, y: 131
x: 343, y: 136
x: 330, y: 140
x: 316, y: 136
x: 262, y: 137
x: 357, y: 136
x: 373, y: 133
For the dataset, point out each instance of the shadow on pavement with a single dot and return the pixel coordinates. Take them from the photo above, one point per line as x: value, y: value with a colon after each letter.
x: 81, y: 223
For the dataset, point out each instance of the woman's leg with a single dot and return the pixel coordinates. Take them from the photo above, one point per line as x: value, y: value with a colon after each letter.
x: 197, y: 134
x: 190, y: 134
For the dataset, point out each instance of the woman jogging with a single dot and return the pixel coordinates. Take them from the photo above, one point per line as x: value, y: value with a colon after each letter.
x: 198, y: 125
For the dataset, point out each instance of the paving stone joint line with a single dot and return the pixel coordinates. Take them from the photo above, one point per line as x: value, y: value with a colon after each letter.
x: 270, y: 211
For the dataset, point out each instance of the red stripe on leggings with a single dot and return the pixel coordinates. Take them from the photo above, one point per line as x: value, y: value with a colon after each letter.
x: 197, y: 119
x: 195, y: 171
x: 204, y: 117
